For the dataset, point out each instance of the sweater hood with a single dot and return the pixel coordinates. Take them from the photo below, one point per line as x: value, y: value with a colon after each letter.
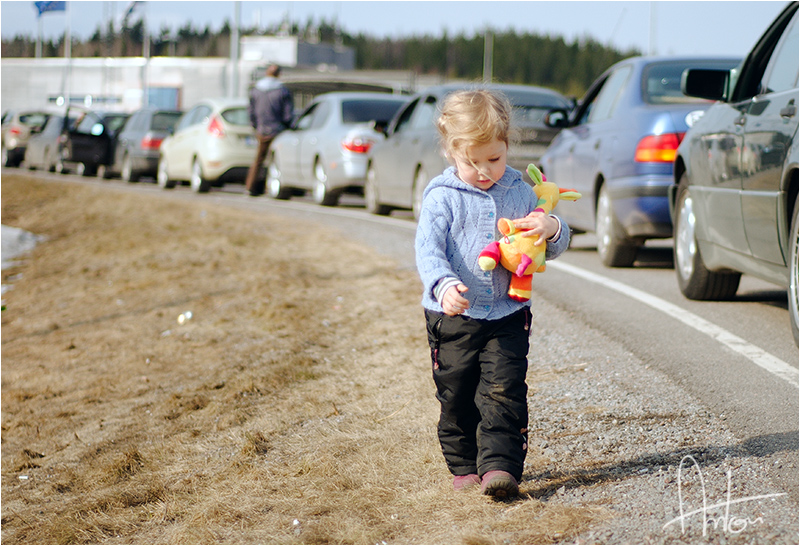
x: 449, y: 179
x: 267, y: 83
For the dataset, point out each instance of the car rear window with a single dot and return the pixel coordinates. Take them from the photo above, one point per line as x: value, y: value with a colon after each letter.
x: 360, y: 111
x: 163, y: 121
x: 661, y: 82
x: 237, y: 116
x: 35, y: 119
x: 115, y: 122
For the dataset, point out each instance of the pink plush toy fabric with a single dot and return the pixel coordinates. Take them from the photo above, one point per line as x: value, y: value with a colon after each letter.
x: 518, y: 254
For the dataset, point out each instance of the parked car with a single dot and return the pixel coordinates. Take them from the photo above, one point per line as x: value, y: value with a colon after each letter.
x: 400, y: 167
x: 212, y: 143
x: 137, y: 148
x: 89, y: 145
x: 17, y: 127
x: 44, y: 147
x: 735, y: 193
x: 617, y: 148
x: 325, y: 151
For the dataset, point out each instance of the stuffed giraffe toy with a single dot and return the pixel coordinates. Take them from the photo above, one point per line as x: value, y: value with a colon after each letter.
x: 520, y: 255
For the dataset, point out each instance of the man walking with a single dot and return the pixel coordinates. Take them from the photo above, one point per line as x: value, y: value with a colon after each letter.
x: 270, y: 111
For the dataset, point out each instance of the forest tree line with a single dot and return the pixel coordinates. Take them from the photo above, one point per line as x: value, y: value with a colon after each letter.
x: 524, y: 58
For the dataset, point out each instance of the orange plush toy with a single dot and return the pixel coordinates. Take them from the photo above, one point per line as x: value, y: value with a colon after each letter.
x: 519, y: 254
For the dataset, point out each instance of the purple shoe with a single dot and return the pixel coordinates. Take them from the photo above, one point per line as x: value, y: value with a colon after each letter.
x: 499, y: 484
x: 463, y: 482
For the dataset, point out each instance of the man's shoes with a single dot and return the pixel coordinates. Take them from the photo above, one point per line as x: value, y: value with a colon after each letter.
x: 499, y: 484
x: 463, y: 482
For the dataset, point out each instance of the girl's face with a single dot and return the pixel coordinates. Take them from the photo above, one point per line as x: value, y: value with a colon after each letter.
x: 482, y: 165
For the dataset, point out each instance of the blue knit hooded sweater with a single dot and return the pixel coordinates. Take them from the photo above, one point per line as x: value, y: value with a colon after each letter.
x: 456, y: 223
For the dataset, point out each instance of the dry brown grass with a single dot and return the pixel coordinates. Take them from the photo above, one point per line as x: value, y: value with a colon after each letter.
x: 296, y: 406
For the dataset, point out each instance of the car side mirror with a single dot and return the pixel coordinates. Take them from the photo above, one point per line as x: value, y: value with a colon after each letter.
x: 705, y: 83
x: 557, y: 119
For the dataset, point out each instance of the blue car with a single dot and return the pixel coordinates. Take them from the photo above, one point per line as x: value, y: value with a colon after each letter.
x: 617, y: 148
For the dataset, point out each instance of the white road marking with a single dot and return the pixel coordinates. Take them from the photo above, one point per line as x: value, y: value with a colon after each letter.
x: 755, y: 354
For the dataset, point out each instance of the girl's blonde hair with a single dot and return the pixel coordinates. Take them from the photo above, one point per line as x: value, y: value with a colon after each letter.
x: 473, y: 117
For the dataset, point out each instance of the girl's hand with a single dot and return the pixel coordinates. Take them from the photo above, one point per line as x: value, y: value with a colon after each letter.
x: 453, y: 302
x: 538, y: 223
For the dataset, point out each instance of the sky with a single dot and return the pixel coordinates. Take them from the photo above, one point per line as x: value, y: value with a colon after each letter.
x: 665, y: 28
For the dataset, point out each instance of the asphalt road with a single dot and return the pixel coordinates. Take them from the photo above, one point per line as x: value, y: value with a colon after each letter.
x: 738, y: 358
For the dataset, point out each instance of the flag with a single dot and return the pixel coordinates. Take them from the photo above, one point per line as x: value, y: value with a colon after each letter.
x: 43, y: 7
x: 129, y: 12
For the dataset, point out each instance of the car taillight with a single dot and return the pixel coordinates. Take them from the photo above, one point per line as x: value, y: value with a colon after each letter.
x: 357, y: 145
x: 151, y: 143
x: 15, y: 130
x: 215, y: 127
x: 658, y: 148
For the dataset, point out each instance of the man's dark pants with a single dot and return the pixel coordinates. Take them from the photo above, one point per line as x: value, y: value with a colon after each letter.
x: 253, y: 186
x: 479, y: 368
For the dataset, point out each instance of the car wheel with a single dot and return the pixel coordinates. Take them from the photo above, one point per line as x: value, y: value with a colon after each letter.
x: 320, y: 193
x: 59, y: 166
x: 420, y: 181
x: 103, y: 172
x: 694, y: 279
x: 614, y: 248
x: 197, y: 182
x: 162, y: 178
x: 275, y: 188
x: 127, y: 173
x: 794, y: 272
x: 371, y: 198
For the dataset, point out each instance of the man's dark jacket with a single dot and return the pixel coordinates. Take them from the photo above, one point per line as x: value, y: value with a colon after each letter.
x: 270, y: 106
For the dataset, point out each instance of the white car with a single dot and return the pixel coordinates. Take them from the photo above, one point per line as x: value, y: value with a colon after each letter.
x: 211, y: 144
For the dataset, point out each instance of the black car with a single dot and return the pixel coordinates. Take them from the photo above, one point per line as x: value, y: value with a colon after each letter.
x: 89, y: 145
x: 136, y: 151
x: 735, y: 194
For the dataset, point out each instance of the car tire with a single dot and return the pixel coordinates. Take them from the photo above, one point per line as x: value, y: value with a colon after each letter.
x: 420, y: 182
x: 275, y: 188
x: 127, y: 173
x: 59, y: 166
x: 197, y: 182
x: 162, y: 176
x: 371, y: 197
x: 695, y: 281
x: 613, y: 246
x: 320, y: 192
x: 103, y: 172
x: 794, y: 272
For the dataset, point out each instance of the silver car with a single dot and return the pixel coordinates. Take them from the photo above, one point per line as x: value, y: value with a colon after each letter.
x: 325, y: 151
x: 735, y: 195
x: 401, y: 166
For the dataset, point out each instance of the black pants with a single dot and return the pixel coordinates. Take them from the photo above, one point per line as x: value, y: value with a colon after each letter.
x: 253, y: 184
x: 479, y: 368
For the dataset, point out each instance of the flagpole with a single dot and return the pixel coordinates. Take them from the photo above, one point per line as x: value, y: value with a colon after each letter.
x: 39, y: 38
x: 146, y: 55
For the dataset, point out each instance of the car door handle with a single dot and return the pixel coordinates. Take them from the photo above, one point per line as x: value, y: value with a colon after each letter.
x: 740, y: 120
x: 789, y: 111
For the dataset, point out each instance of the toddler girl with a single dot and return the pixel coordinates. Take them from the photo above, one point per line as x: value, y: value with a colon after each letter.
x: 478, y: 335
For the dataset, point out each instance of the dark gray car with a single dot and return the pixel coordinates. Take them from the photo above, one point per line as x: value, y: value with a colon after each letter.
x: 136, y: 153
x: 400, y: 167
x: 734, y: 202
